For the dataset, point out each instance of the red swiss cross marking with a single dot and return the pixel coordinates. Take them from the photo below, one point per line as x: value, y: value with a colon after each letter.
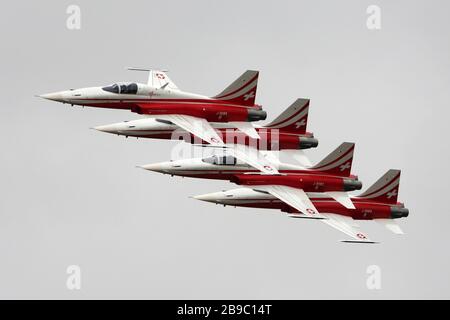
x: 361, y: 236
x: 160, y: 76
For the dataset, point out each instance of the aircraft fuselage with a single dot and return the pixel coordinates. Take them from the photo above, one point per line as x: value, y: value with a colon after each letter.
x: 147, y: 100
x: 364, y: 209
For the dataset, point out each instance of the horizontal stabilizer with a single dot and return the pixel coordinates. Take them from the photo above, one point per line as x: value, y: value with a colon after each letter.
x: 391, y: 225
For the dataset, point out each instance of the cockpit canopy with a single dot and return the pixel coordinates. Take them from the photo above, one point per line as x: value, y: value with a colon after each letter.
x: 221, y: 160
x: 122, y: 88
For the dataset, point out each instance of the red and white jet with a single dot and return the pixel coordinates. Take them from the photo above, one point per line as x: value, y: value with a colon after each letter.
x: 286, y: 132
x: 162, y: 99
x: 378, y: 203
x: 290, y: 184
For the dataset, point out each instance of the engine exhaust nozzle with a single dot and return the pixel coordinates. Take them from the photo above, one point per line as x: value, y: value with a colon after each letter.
x: 397, y: 212
x: 256, y: 115
x: 352, y: 184
x: 306, y: 143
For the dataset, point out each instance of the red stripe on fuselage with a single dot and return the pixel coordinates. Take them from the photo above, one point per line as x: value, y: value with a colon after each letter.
x: 171, y: 101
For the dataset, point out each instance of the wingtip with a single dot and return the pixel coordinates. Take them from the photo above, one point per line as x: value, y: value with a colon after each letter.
x: 359, y: 241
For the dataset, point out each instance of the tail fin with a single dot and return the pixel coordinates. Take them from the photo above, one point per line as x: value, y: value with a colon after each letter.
x: 338, y: 162
x: 385, y: 190
x: 294, y: 119
x: 242, y: 91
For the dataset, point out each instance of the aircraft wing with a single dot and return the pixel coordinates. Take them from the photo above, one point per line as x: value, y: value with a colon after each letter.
x: 202, y: 129
x: 299, y: 156
x: 348, y: 226
x: 342, y: 197
x: 391, y: 225
x: 247, y: 128
x: 299, y: 200
x: 294, y: 197
x: 197, y: 126
x: 252, y: 157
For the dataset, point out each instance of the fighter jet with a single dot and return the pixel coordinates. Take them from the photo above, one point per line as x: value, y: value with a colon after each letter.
x: 378, y: 203
x: 162, y: 99
x: 287, y: 131
x: 332, y: 175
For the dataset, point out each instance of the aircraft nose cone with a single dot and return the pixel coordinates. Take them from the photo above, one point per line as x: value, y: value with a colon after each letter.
x: 109, y: 128
x: 156, y: 167
x: 55, y: 96
x: 209, y: 197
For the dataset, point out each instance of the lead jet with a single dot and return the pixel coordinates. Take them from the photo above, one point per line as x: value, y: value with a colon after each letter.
x: 332, y: 176
x: 161, y: 99
x: 378, y: 203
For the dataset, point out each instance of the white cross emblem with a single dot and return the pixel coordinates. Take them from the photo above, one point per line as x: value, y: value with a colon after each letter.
x: 391, y: 194
x: 300, y: 124
x: 249, y: 95
x: 345, y: 166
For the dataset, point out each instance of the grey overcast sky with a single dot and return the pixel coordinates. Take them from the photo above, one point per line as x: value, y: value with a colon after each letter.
x: 72, y: 196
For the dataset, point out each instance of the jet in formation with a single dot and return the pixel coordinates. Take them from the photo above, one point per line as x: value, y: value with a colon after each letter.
x: 378, y: 203
x: 248, y: 154
x: 161, y: 99
x: 316, y: 192
x: 222, y: 121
